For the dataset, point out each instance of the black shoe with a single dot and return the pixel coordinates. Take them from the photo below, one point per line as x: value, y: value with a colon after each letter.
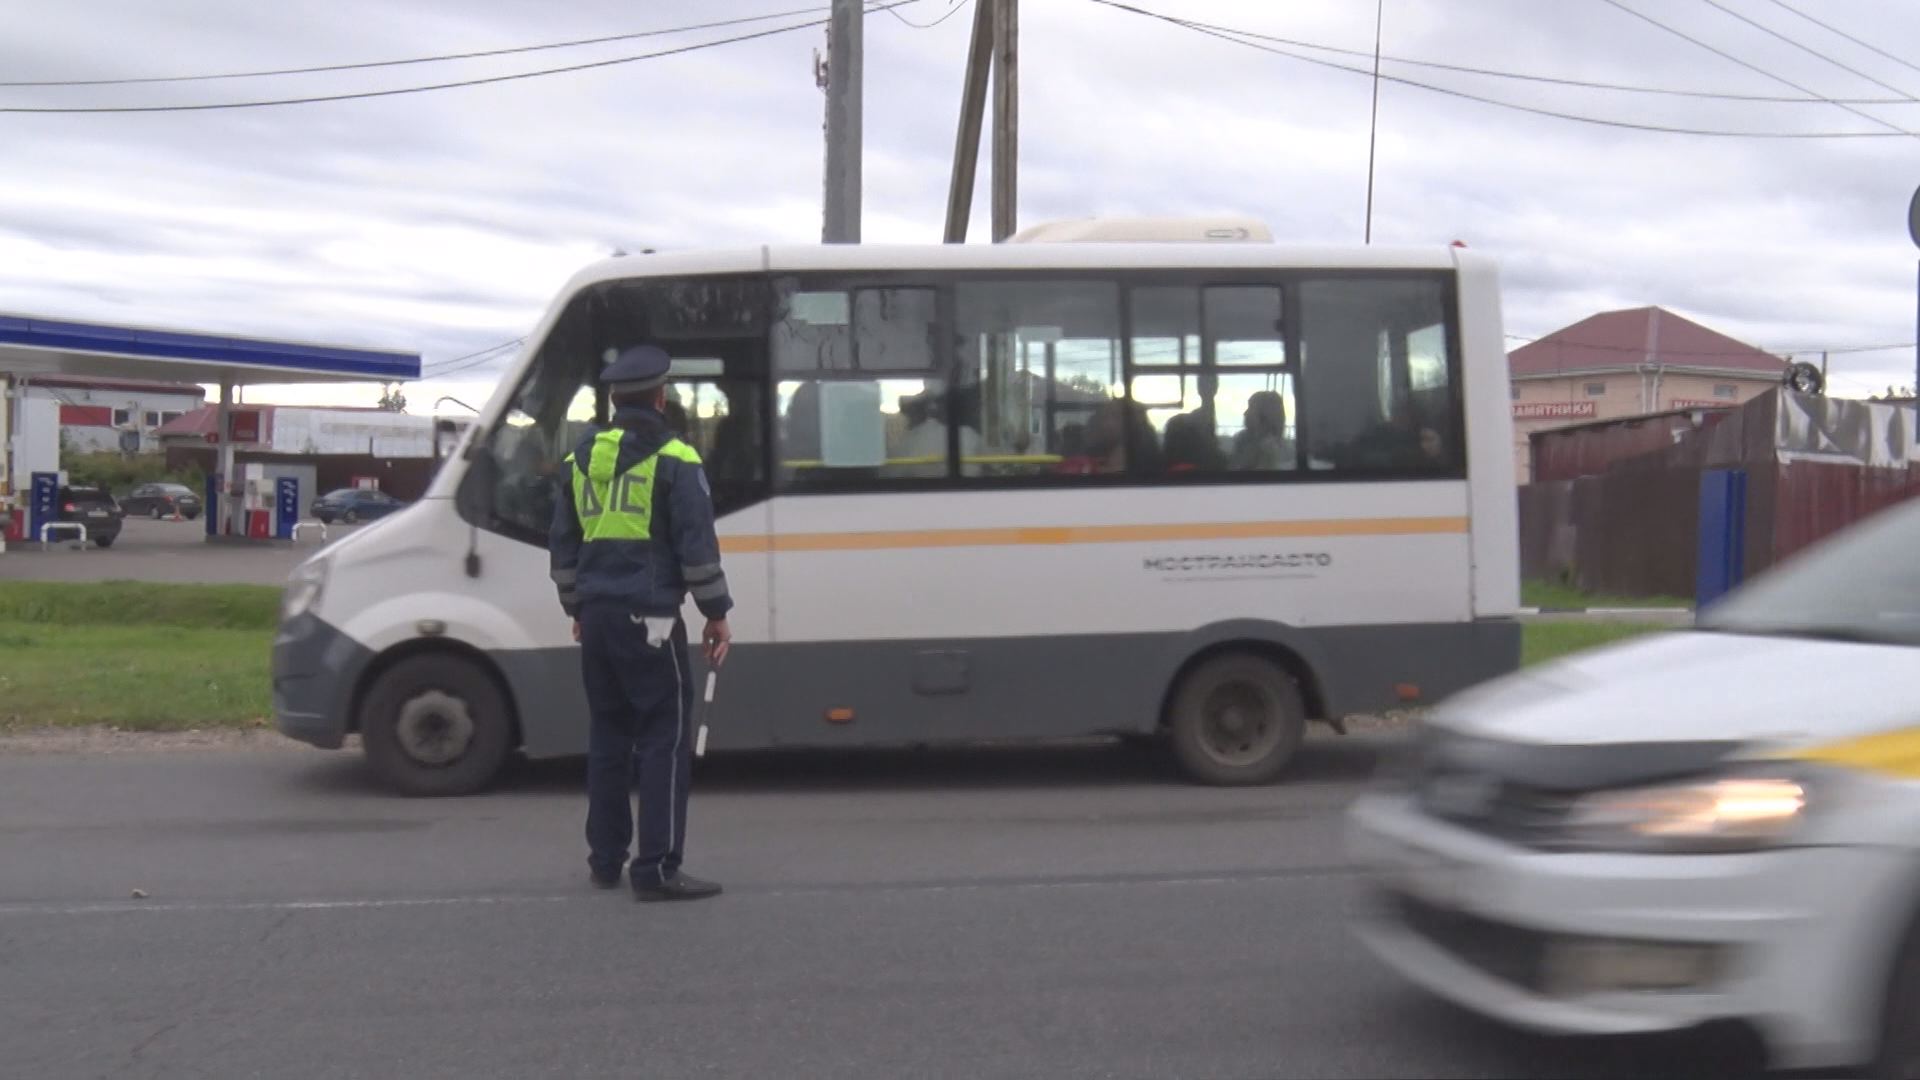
x: 604, y: 881
x: 678, y: 887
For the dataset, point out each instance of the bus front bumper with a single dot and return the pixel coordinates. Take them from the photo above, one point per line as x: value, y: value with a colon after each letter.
x: 315, y: 671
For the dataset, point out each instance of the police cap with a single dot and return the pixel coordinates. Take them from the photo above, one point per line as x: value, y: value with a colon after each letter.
x: 636, y: 369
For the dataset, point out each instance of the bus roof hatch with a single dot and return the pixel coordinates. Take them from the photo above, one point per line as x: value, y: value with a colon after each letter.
x: 1148, y: 230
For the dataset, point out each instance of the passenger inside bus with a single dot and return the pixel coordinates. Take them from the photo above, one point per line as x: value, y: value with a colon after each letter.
x: 800, y: 434
x: 1191, y: 445
x: 677, y: 421
x: 1263, y: 445
x: 1117, y: 434
x: 925, y: 437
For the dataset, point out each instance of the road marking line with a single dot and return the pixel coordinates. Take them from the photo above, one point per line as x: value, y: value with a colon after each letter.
x: 208, y: 907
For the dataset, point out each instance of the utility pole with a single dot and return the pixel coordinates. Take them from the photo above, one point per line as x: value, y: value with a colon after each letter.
x: 1373, y: 125
x: 973, y: 108
x: 1913, y: 230
x: 843, y: 124
x: 1006, y: 117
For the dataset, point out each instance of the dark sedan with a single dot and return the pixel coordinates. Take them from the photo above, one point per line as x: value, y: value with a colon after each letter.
x: 353, y: 505
x: 92, y: 507
x: 162, y: 500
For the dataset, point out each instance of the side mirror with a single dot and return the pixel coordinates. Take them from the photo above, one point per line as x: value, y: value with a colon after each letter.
x: 441, y: 429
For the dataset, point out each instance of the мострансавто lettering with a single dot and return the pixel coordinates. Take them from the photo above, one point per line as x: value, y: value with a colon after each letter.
x: 1190, y: 564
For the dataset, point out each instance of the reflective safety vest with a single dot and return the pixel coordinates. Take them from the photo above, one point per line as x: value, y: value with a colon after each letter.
x: 619, y: 508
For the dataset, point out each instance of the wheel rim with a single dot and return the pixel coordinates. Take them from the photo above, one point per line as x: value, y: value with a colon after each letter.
x: 435, y: 728
x: 156, y: 513
x: 1239, y: 724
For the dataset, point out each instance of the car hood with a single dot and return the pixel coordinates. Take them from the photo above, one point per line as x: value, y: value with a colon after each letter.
x: 1697, y: 687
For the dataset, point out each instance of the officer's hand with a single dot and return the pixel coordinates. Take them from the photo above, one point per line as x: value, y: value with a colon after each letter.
x: 715, y: 639
x: 576, y: 631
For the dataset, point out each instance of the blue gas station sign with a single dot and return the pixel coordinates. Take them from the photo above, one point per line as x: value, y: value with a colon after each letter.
x: 43, y: 503
x: 286, y: 506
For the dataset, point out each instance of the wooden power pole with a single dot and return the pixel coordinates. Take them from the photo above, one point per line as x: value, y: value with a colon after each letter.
x: 995, y: 50
x: 844, y: 121
x: 973, y: 108
x: 1006, y: 118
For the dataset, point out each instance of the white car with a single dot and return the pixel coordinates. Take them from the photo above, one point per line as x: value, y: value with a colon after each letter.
x: 1720, y: 824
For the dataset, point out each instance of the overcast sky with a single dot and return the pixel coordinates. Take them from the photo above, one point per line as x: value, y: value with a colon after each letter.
x: 445, y: 221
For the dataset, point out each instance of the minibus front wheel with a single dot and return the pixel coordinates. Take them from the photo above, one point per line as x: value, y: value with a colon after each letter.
x: 436, y: 724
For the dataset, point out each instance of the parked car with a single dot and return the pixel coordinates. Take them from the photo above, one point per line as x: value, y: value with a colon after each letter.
x: 162, y: 500
x: 1710, y: 826
x: 94, y: 508
x: 353, y: 505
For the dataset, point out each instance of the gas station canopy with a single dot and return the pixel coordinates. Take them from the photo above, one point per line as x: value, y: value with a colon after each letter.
x: 34, y: 346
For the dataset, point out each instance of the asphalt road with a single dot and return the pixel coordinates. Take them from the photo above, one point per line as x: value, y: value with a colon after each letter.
x: 981, y: 914
x: 175, y: 551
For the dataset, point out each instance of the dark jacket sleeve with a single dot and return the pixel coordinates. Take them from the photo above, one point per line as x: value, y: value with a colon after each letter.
x: 695, y: 544
x: 564, y: 540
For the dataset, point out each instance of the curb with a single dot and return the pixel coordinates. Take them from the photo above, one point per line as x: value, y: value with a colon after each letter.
x: 1606, y: 611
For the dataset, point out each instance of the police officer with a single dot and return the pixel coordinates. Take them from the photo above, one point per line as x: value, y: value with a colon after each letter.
x: 632, y: 536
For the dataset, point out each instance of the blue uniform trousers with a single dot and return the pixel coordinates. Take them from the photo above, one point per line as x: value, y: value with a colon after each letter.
x: 641, y: 699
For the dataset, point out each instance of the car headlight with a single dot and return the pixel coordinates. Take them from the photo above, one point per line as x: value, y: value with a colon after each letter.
x: 1734, y: 812
x: 303, y: 589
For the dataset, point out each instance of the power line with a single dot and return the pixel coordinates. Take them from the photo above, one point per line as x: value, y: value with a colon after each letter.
x: 1226, y: 34
x: 1724, y: 54
x: 1552, y: 80
x: 372, y: 64
x: 465, y: 369
x: 469, y: 366
x: 398, y: 91
x: 1832, y: 29
x: 1803, y: 47
x: 473, y: 359
x: 958, y: 7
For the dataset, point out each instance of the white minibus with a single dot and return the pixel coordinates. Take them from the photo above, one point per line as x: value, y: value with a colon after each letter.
x: 1206, y: 492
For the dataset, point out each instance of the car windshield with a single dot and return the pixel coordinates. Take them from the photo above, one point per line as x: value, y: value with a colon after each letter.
x: 343, y: 495
x: 175, y: 489
x: 1863, y: 585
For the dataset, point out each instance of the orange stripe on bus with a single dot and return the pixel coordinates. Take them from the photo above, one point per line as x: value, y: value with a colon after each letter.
x: 1040, y: 536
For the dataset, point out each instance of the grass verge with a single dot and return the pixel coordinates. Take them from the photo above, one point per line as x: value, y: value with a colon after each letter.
x: 179, y: 657
x: 1550, y: 594
x: 143, y: 678
x: 134, y: 603
x: 1544, y: 641
x: 139, y: 656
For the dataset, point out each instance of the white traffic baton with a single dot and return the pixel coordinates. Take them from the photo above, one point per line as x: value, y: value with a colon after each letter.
x: 706, y: 710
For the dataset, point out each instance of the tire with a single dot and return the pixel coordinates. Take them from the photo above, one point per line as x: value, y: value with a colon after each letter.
x: 1898, y: 1057
x: 436, y: 725
x: 351, y: 517
x: 105, y: 541
x: 1236, y: 720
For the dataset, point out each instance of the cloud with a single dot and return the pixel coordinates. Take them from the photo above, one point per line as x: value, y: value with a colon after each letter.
x: 445, y: 222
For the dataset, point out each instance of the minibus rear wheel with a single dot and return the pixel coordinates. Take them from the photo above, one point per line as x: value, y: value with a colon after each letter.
x: 436, y: 724
x: 1236, y: 719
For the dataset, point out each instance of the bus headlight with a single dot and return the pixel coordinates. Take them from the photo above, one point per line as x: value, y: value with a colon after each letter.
x: 1726, y: 813
x: 303, y: 589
